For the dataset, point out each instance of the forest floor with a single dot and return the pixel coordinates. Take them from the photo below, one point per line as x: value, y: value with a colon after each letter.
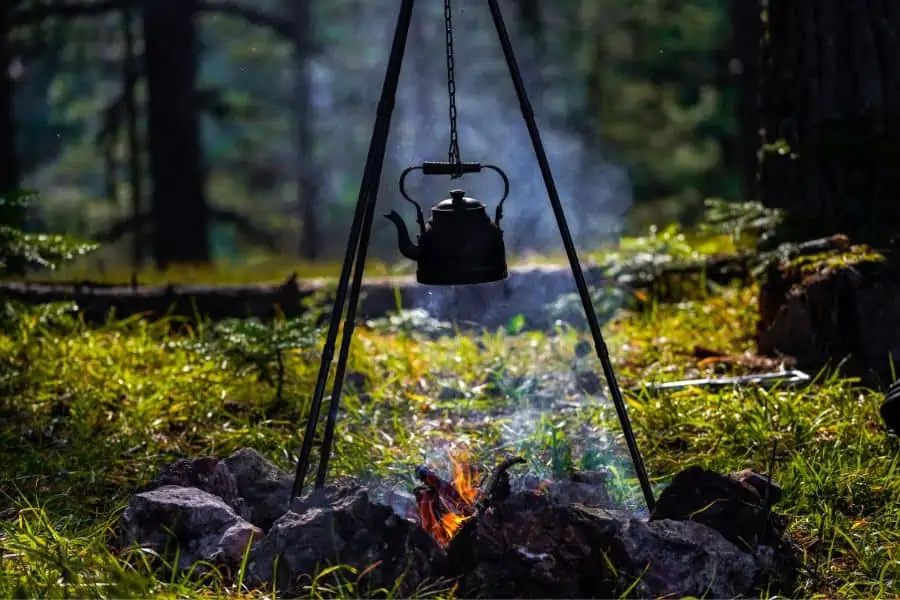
x: 89, y: 414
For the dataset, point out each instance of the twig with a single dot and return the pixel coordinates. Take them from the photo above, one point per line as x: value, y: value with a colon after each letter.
x: 493, y: 483
x: 443, y: 490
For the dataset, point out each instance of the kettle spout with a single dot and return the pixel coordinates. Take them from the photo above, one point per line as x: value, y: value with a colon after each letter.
x: 407, y: 248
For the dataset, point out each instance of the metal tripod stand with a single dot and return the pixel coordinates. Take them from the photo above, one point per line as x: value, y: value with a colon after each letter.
x: 357, y: 246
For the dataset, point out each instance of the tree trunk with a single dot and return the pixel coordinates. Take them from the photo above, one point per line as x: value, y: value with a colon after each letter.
x: 307, y: 182
x: 179, y: 210
x: 130, y: 76
x: 831, y: 95
x: 9, y: 164
x: 743, y: 69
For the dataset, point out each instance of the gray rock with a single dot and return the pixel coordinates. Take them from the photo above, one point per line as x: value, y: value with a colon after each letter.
x: 583, y: 487
x: 403, y: 504
x: 759, y: 482
x: 732, y: 508
x: 340, y: 525
x: 683, y: 558
x: 206, y: 473
x: 583, y: 349
x: 598, y: 477
x: 265, y: 489
x: 450, y: 393
x: 572, y: 492
x: 189, y: 522
x: 531, y: 546
x: 709, y: 535
x: 360, y: 383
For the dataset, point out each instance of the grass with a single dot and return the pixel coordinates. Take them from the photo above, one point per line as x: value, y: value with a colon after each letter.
x: 151, y: 395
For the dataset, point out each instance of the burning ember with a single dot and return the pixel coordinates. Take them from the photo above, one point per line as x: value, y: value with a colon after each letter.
x: 444, y: 506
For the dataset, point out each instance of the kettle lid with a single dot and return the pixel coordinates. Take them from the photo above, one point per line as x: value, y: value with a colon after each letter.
x: 458, y: 202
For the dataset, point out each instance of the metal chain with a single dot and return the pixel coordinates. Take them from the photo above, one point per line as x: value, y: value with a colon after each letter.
x: 453, y: 154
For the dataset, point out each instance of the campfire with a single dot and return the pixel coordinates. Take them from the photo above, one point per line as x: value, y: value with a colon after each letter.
x: 711, y: 534
x: 445, y: 506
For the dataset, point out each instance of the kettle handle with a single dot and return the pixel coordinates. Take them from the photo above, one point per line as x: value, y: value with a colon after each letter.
x: 420, y: 219
x: 498, y: 214
x: 457, y: 170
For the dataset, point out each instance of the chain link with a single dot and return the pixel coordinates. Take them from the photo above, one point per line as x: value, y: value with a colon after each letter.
x: 453, y: 153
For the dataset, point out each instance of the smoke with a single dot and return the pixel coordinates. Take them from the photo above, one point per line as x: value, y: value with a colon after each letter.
x: 595, y: 192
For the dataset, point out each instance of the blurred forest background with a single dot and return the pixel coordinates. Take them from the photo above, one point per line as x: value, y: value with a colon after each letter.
x: 188, y: 131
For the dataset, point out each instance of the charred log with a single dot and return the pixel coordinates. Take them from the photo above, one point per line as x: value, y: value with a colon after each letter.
x: 497, y: 488
x: 442, y: 493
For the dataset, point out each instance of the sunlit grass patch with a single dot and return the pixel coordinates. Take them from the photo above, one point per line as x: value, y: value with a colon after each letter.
x: 88, y: 414
x: 837, y: 466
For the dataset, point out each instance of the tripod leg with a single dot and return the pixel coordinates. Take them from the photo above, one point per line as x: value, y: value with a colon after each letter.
x: 389, y: 93
x: 334, y: 322
x: 599, y: 343
x: 367, y: 194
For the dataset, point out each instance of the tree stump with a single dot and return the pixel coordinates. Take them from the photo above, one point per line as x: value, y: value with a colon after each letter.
x: 834, y: 309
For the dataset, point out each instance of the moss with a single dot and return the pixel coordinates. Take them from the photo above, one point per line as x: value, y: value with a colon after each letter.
x: 832, y: 261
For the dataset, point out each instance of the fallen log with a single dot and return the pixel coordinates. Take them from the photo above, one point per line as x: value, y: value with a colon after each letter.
x: 528, y: 291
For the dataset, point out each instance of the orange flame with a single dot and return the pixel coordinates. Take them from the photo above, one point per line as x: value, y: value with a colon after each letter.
x: 443, y: 509
x: 464, y: 479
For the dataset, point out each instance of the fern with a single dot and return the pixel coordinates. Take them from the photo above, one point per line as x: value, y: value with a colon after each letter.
x: 21, y: 251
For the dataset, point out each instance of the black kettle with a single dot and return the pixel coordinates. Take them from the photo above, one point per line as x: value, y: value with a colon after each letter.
x: 459, y: 245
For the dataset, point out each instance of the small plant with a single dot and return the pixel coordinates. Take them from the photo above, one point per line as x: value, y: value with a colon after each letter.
x: 637, y: 263
x: 410, y: 321
x: 20, y: 251
x: 740, y: 220
x: 252, y: 346
x: 550, y: 449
